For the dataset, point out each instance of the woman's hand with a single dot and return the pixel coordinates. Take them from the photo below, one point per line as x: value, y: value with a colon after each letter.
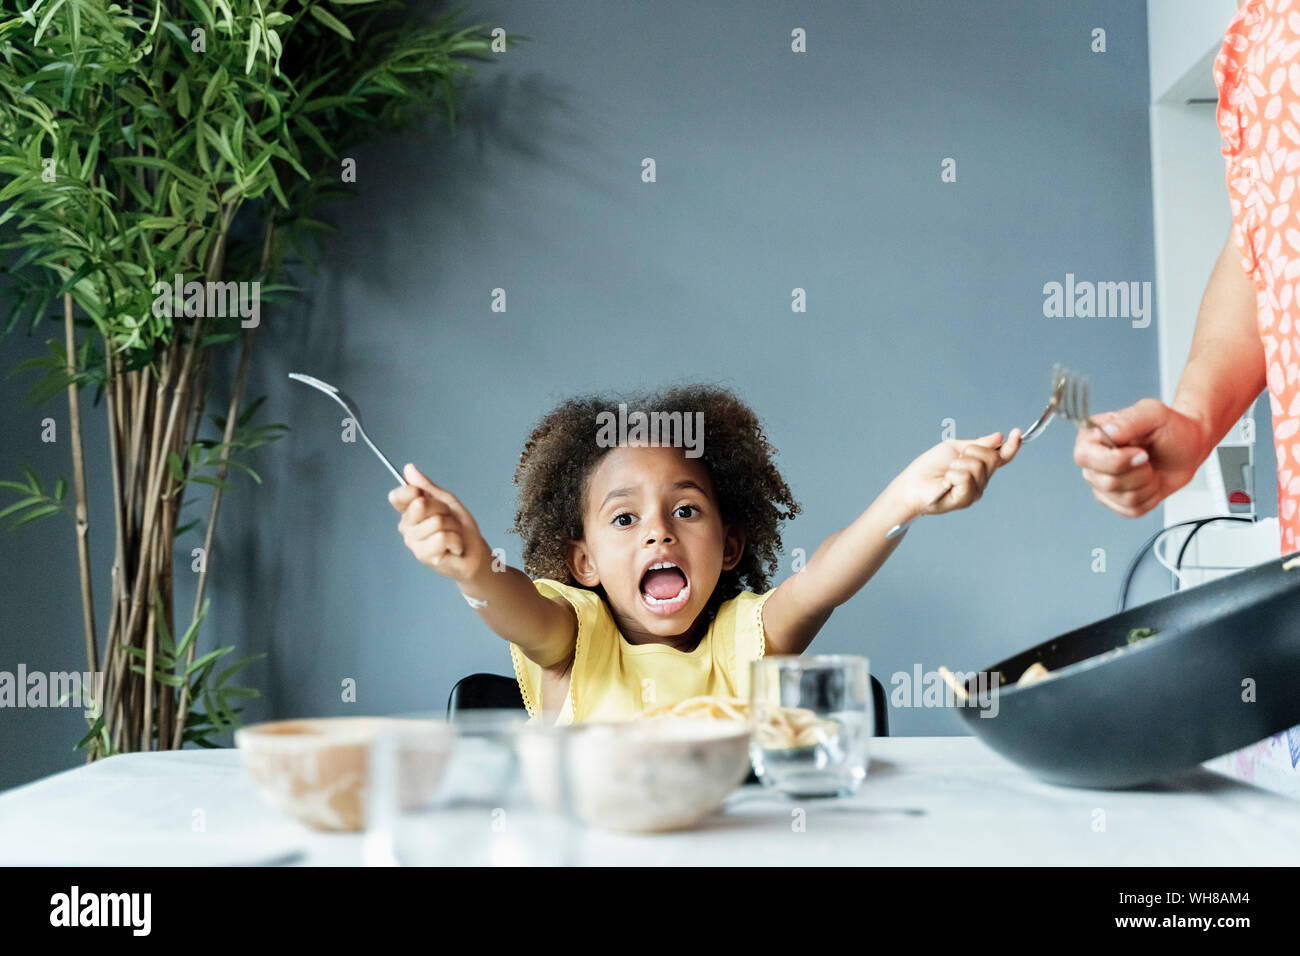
x: 964, y: 466
x: 1159, y: 451
x: 438, y: 529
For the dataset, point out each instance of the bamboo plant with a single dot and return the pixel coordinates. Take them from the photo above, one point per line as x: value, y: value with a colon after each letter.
x: 149, y: 144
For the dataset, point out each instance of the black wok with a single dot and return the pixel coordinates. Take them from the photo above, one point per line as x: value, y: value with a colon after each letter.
x: 1163, y: 704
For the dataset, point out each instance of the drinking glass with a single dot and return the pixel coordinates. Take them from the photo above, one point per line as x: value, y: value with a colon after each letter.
x: 813, y: 721
x: 486, y: 790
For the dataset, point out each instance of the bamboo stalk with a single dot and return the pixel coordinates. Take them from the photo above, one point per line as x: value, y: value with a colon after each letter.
x: 166, y: 558
x: 157, y: 466
x: 113, y: 405
x: 145, y: 726
x: 214, y: 507
x: 140, y: 582
x: 137, y: 401
x: 232, y: 413
x: 79, y: 482
x: 139, y: 409
x: 138, y: 699
x: 135, y: 710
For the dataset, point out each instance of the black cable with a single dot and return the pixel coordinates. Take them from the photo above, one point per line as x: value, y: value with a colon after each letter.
x: 1146, y: 546
x: 1178, y: 565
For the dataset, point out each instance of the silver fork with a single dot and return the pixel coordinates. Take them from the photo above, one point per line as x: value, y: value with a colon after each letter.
x: 350, y: 407
x: 1054, y: 405
x: 1075, y: 405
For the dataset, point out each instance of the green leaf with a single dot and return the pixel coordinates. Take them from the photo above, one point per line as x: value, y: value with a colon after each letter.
x: 61, y: 489
x: 20, y: 505
x: 84, y: 270
x: 244, y: 468
x: 210, y: 656
x: 175, y: 466
x: 247, y: 692
x: 254, y: 41
x: 171, y: 680
x: 160, y: 622
x: 205, y: 480
x: 236, y: 667
x: 215, y: 85
x: 36, y: 513
x: 183, y: 647
x: 45, y: 21
x: 246, y: 416
x: 331, y: 21
x: 182, y: 91
x: 95, y: 727
x: 210, y: 711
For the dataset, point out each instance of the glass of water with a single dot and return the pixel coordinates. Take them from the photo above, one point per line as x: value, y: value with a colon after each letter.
x: 486, y: 790
x: 813, y: 721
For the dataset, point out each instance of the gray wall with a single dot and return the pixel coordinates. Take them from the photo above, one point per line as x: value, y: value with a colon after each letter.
x: 775, y: 171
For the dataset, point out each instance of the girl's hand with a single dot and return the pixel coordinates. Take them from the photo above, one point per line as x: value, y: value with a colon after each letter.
x: 438, y: 529
x: 963, y: 464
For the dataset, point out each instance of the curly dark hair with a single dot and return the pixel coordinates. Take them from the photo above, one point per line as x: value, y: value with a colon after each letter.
x: 560, y: 455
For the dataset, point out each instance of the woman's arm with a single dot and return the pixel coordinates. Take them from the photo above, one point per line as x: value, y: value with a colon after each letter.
x: 1225, y: 368
x: 1159, y: 446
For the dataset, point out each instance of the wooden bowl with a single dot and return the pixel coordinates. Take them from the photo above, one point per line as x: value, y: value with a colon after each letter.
x: 315, y: 769
x: 643, y: 776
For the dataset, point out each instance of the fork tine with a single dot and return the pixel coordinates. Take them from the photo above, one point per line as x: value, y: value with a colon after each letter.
x: 1083, y: 408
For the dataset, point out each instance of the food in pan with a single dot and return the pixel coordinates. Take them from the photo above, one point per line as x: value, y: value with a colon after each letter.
x: 783, y: 728
x: 1033, y: 674
x: 1036, y: 672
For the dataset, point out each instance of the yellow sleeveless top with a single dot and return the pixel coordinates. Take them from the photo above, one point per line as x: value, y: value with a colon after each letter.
x: 615, y: 680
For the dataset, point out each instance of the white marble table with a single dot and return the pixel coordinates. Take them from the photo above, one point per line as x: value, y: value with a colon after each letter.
x: 927, y: 800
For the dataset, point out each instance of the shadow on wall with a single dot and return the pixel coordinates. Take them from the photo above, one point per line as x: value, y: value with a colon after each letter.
x: 421, y: 169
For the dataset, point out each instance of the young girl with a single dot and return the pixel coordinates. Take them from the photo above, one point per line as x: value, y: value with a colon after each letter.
x: 651, y: 561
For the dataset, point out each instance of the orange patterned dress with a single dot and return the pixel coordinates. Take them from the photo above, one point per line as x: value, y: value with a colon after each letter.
x: 1257, y: 72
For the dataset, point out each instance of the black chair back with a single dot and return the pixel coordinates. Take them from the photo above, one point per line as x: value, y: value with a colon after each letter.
x: 492, y: 690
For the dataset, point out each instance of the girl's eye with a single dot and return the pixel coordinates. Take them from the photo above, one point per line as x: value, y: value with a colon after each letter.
x: 688, y: 508
x: 624, y: 514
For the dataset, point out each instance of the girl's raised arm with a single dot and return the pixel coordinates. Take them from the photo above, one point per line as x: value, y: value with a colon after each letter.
x: 847, y: 559
x: 443, y: 535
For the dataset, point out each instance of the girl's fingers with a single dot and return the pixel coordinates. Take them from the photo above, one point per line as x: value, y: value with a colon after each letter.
x: 988, y: 441
x: 402, y: 496
x: 420, y: 508
x: 989, y: 457
x: 1010, y: 446
x: 441, y: 495
x: 442, y: 544
x: 434, y: 523
x: 976, y: 468
x: 963, y: 489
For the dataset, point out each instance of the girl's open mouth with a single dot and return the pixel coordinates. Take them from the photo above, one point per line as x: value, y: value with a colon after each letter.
x: 665, y: 589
